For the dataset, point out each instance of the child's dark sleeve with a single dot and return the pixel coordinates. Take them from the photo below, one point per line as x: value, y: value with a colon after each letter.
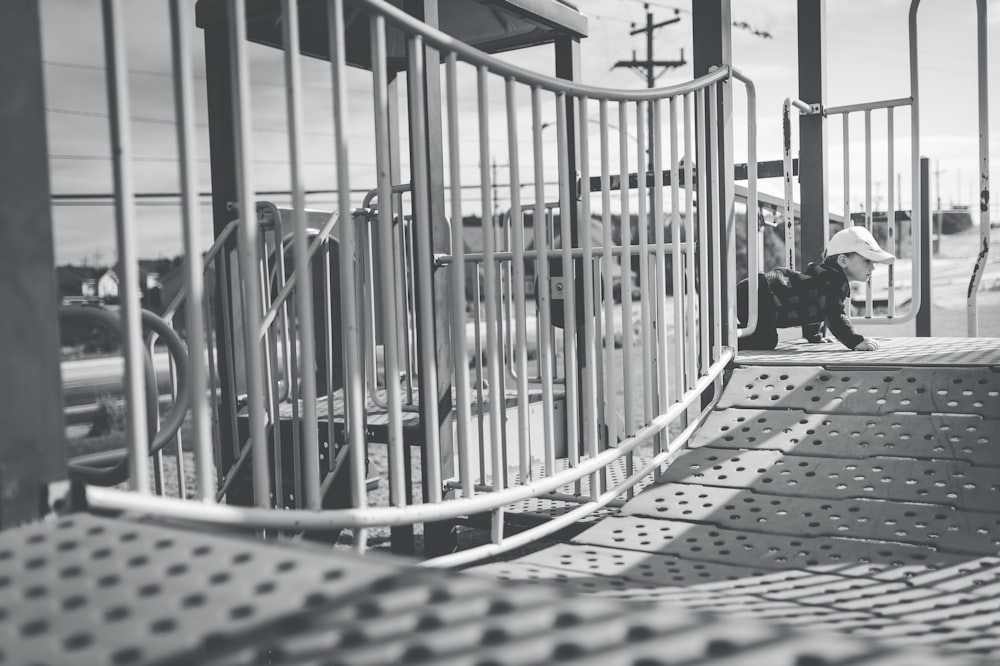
x: 836, y: 318
x: 813, y: 332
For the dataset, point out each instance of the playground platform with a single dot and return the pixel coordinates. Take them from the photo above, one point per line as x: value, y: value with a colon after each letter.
x: 829, y: 489
x: 837, y: 511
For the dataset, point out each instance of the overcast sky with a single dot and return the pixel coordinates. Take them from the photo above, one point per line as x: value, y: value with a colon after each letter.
x: 867, y: 60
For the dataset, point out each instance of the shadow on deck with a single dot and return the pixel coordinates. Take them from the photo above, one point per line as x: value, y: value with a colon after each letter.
x: 829, y: 490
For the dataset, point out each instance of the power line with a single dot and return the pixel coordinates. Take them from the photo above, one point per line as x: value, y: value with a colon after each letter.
x: 168, y: 121
x: 168, y: 75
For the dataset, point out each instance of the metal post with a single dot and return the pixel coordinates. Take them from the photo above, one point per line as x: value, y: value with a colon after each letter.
x: 713, y: 47
x: 812, y: 128
x: 434, y: 232
x: 568, y: 67
x: 223, y: 178
x: 924, y: 313
x: 34, y: 450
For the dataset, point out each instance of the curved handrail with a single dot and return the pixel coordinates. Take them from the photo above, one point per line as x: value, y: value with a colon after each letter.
x: 565, y: 520
x: 304, y: 519
x: 95, y: 468
x: 753, y: 227
x: 227, y: 231
x: 472, y: 55
x: 318, y: 238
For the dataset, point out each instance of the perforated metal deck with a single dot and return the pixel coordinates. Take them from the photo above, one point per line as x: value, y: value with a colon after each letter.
x: 830, y: 489
x: 787, y: 521
x: 88, y: 590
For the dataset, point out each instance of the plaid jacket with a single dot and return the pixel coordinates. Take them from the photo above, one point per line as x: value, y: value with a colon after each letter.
x: 811, y: 298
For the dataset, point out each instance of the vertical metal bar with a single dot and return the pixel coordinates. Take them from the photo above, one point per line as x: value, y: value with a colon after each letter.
x: 226, y: 308
x: 660, y: 349
x: 717, y: 222
x: 389, y: 296
x: 279, y: 327
x: 213, y: 390
x: 462, y: 405
x: 331, y: 414
x: 303, y: 287
x: 542, y: 293
x: 890, y: 213
x: 354, y: 395
x: 626, y: 266
x: 520, y: 325
x: 646, y: 291
x: 566, y: 201
x: 125, y: 234
x: 704, y: 245
x: 847, y: 178
x: 180, y: 22
x: 676, y: 256
x: 982, y: 53
x: 610, y: 383
x: 869, y: 222
x: 626, y: 286
x: 589, y: 363
x: 691, y: 256
x: 917, y: 199
x: 786, y: 115
x: 425, y: 296
x: 179, y: 437
x: 248, y: 260
x: 923, y: 317
x: 489, y: 269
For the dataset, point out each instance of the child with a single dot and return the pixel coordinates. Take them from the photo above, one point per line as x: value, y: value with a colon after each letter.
x: 815, y: 296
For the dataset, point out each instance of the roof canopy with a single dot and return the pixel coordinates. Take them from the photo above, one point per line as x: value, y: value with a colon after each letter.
x: 489, y: 25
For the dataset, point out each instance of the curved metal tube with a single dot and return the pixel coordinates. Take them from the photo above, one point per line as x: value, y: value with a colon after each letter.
x: 442, y: 41
x: 301, y: 519
x: 94, y: 468
x: 753, y: 227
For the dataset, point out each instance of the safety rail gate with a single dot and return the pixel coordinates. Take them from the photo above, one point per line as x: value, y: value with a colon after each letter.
x: 607, y: 375
x: 903, y: 300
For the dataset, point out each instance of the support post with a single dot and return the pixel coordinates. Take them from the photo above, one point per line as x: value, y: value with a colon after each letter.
x: 435, y: 387
x: 713, y: 47
x: 222, y: 156
x: 924, y: 313
x: 33, y: 452
x: 812, y: 129
x: 567, y: 55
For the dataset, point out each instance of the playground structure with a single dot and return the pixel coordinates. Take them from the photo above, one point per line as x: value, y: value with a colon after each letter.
x: 329, y: 333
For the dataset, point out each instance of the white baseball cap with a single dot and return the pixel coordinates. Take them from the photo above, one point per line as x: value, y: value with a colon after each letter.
x: 860, y: 240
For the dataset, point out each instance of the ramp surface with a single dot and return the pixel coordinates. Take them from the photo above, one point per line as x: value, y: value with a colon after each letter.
x: 829, y: 490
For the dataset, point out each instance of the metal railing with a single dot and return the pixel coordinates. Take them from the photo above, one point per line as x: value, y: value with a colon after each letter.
x: 276, y: 324
x: 917, y: 227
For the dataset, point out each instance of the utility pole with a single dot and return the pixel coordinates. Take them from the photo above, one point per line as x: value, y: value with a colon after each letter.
x: 937, y: 182
x: 647, y: 68
x: 937, y: 214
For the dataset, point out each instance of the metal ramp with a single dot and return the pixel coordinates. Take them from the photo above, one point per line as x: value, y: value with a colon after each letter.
x: 829, y: 489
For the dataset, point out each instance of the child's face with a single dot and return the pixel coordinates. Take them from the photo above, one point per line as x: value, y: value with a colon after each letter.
x: 856, y: 267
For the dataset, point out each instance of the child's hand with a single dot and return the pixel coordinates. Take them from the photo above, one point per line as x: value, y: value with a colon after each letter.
x: 867, y: 344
